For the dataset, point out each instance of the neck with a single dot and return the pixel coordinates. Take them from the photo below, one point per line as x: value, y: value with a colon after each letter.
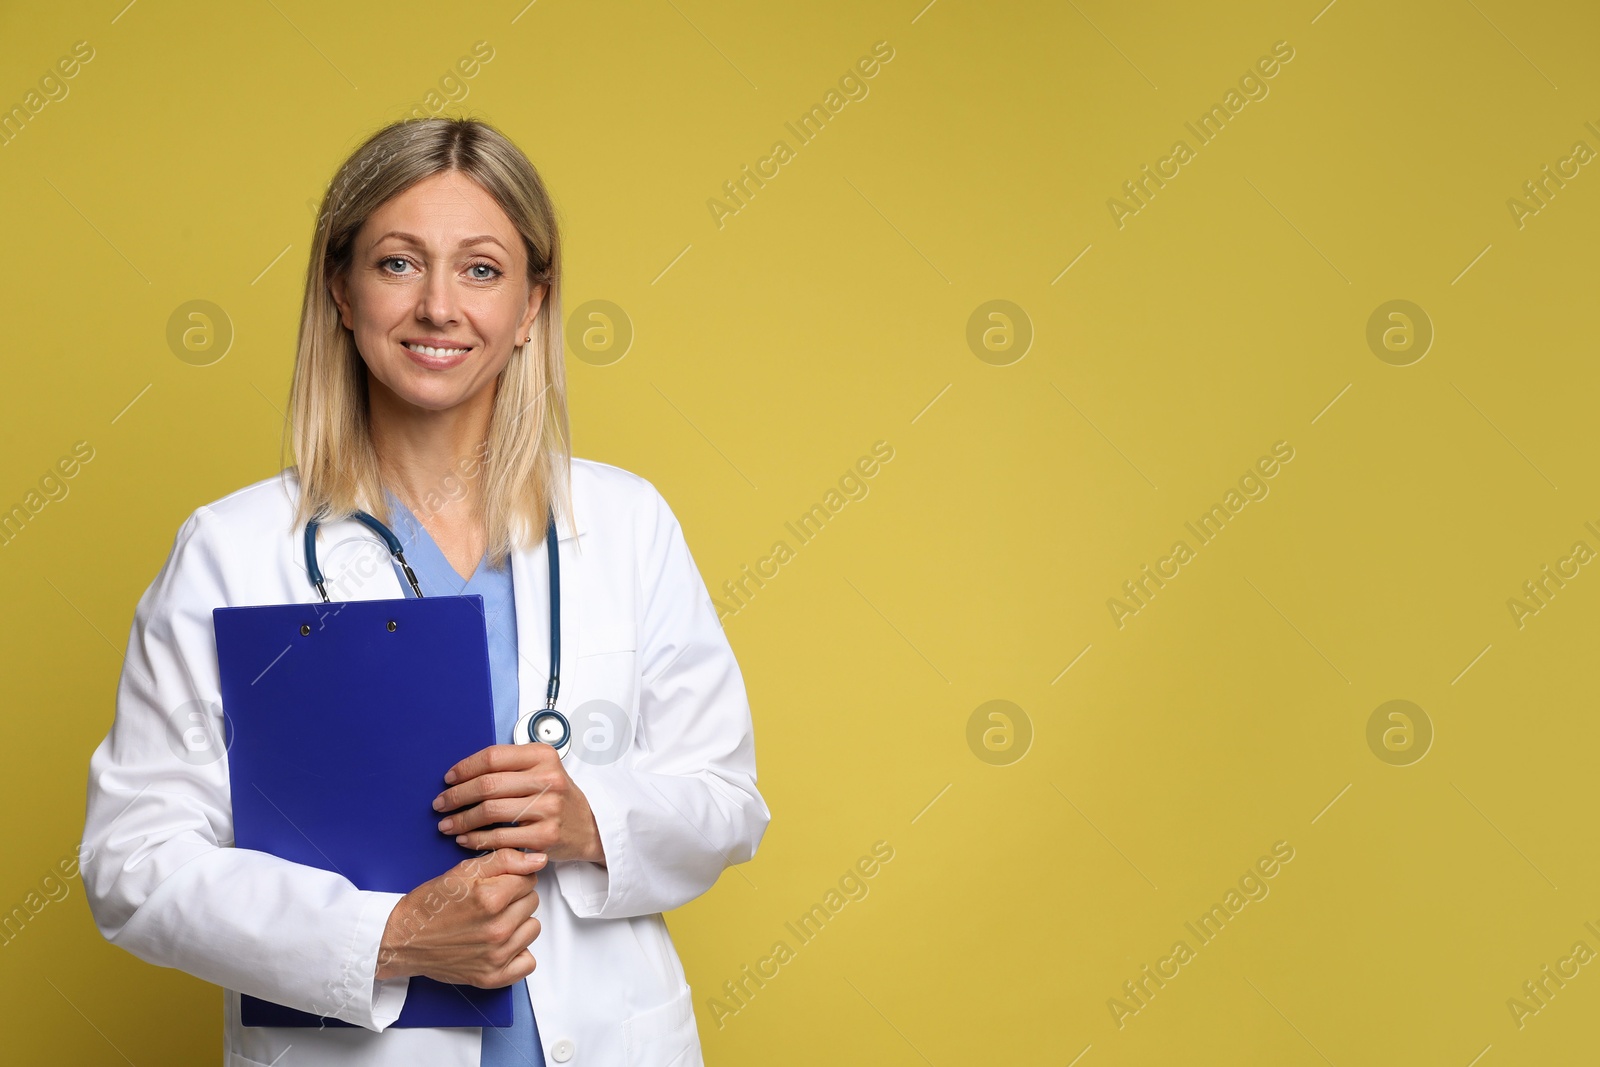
x: 421, y: 452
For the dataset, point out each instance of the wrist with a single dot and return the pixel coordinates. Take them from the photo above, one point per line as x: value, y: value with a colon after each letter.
x: 393, y: 959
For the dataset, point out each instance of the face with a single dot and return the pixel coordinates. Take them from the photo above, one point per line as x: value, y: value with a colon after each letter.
x: 437, y: 294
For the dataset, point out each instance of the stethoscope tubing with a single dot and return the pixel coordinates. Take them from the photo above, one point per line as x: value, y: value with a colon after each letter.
x: 547, y: 725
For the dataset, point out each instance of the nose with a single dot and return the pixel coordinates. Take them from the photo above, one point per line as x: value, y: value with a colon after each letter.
x: 437, y: 301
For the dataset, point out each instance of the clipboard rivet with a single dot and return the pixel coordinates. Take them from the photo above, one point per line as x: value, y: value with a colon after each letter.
x: 392, y: 626
x: 305, y: 629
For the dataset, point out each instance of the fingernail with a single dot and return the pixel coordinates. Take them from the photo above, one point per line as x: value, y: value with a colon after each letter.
x: 450, y: 777
x: 446, y: 825
x: 461, y: 839
x: 438, y: 802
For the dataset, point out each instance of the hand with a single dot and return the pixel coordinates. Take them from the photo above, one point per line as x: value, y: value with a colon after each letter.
x: 469, y: 926
x: 525, y: 785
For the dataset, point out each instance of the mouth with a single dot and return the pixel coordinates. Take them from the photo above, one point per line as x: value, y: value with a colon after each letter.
x: 434, y: 357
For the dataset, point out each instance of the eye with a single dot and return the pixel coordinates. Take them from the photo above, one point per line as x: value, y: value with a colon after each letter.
x: 391, y: 259
x: 494, y: 272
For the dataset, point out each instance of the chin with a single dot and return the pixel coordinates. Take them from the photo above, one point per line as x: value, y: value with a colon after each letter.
x: 436, y: 399
x: 430, y: 392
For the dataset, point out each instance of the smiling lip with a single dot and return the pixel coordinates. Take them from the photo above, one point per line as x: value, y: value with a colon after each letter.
x: 435, y: 362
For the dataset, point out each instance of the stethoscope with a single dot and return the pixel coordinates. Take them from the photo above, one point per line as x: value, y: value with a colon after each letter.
x: 545, y: 725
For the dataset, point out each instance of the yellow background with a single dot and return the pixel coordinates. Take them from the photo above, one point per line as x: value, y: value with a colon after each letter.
x: 832, y: 312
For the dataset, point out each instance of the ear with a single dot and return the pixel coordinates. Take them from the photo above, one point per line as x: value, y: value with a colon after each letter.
x: 535, y: 301
x: 336, y: 286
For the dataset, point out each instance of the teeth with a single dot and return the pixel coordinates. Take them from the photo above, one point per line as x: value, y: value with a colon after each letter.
x: 428, y: 350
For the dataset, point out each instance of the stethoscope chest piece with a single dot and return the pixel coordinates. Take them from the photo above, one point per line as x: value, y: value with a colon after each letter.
x: 544, y: 726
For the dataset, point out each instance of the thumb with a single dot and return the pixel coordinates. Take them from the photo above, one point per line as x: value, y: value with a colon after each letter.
x: 508, y: 861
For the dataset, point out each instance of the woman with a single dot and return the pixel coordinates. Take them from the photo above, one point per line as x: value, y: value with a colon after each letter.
x: 428, y: 392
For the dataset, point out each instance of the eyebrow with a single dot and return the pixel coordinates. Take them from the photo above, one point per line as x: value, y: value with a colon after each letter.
x: 482, y: 238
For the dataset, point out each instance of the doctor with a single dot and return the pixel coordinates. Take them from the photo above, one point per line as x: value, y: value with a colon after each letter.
x: 429, y: 392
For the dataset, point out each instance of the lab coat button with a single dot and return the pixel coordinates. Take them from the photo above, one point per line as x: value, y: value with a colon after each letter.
x: 562, y: 1050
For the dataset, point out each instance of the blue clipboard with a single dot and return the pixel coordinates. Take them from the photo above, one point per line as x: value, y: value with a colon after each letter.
x: 341, y: 721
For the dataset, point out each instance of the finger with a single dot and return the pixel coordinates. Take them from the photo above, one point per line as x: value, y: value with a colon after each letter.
x: 525, y: 904
x: 524, y: 935
x: 539, y: 836
x: 498, y: 809
x: 521, y: 864
x: 504, y: 861
x: 490, y: 784
x: 493, y: 758
x: 522, y: 964
x: 514, y: 900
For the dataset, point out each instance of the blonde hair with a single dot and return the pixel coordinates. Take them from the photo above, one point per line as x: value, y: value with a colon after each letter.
x: 527, y: 461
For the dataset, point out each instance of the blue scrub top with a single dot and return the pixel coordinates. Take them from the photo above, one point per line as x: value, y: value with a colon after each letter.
x: 517, y: 1045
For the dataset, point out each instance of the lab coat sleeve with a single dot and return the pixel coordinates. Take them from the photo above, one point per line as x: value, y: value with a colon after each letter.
x: 682, y: 805
x: 162, y: 877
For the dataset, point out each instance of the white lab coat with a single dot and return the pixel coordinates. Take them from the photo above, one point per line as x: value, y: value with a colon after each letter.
x: 638, y: 628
